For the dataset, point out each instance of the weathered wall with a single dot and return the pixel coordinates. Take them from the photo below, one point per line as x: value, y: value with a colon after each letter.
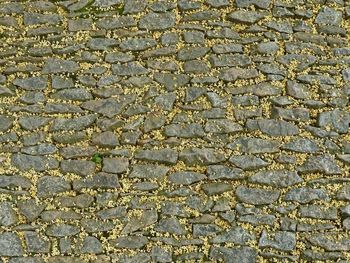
x: 169, y: 131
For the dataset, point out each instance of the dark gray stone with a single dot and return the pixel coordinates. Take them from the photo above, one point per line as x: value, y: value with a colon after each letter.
x: 191, y: 130
x: 166, y: 156
x: 37, y: 243
x: 170, y: 225
x: 62, y: 230
x: 248, y: 162
x: 26, y: 162
x: 101, y: 180
x: 338, y: 120
x: 305, y: 195
x: 254, y: 145
x: 200, y: 156
x: 79, y: 167
x: 130, y: 242
x: 8, y: 215
x: 302, y: 145
x: 257, y: 196
x: 53, y: 65
x: 10, y: 245
x: 236, y: 235
x: 115, y: 165
x: 224, y: 172
x: 157, y: 21
x: 49, y: 186
x: 324, y: 163
x: 32, y: 83
x: 242, y: 254
x: 281, y: 240
x: 276, y: 178
x: 186, y: 178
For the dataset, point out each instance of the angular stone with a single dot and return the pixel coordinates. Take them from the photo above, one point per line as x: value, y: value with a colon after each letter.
x: 79, y: 167
x: 186, y: 178
x: 79, y: 201
x: 40, y: 149
x: 324, y: 163
x: 129, y: 69
x: 76, y: 124
x: 190, y: 53
x: 200, y: 156
x: 254, y: 145
x: 294, y: 114
x: 166, y: 156
x: 26, y: 162
x: 224, y: 172
x: 101, y: 180
x: 330, y: 241
x: 263, y: 4
x: 205, y: 230
x: 8, y: 215
x: 196, y: 67
x: 33, y: 122
x: 6, y: 123
x: 305, y: 195
x: 248, y: 162
x: 170, y: 225
x: 109, y: 107
x: 77, y: 94
x: 49, y: 186
x: 130, y: 242
x: 110, y: 23
x: 281, y: 240
x: 297, y: 90
x: 32, y: 83
x: 277, y: 127
x: 115, y: 165
x: 91, y: 245
x: 171, y: 81
x: 137, y: 44
x: 62, y: 230
x: 53, y: 65
x: 118, y: 212
x: 148, y: 217
x: 329, y: 16
x: 10, y: 245
x: 276, y: 178
x: 227, y: 48
x: 102, y: 43
x: 222, y: 126
x: 242, y: 254
x: 216, y: 188
x: 191, y: 130
x: 11, y: 181
x: 37, y: 243
x: 257, y: 196
x: 161, y: 255
x: 157, y: 21
x: 30, y: 209
x: 318, y: 212
x: 302, y: 145
x: 246, y: 17
x: 232, y: 74
x: 337, y: 120
x: 236, y: 235
x: 96, y: 225
x: 148, y: 171
x: 230, y: 60
x: 343, y: 193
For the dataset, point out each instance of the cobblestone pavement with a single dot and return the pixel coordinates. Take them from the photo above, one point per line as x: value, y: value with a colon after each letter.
x: 174, y: 131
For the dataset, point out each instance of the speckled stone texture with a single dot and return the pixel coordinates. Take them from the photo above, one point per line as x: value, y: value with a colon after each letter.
x: 137, y: 131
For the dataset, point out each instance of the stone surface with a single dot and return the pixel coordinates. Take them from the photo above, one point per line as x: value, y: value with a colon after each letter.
x: 257, y: 196
x: 174, y: 131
